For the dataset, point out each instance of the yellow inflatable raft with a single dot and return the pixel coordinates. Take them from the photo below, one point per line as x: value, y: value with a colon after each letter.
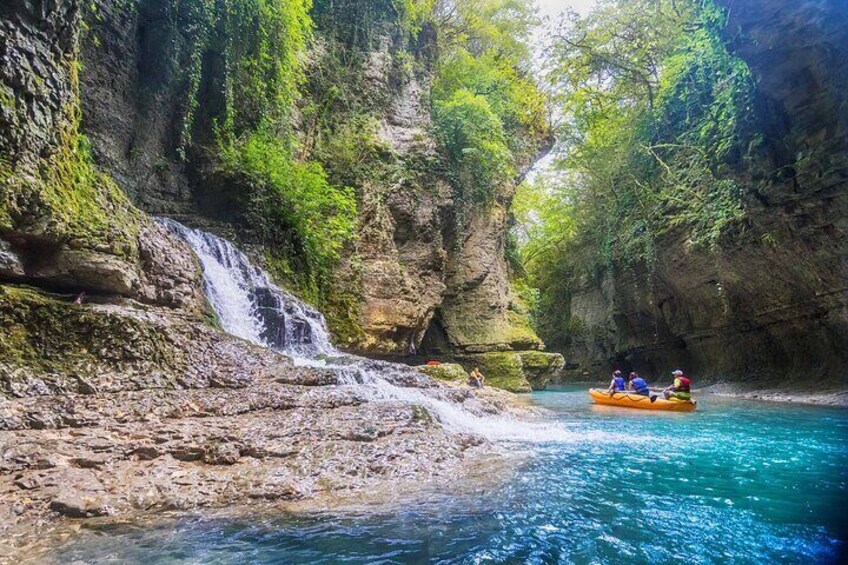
x: 630, y: 400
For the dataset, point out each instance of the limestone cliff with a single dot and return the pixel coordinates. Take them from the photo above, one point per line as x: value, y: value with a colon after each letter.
x: 413, y: 267
x: 64, y: 225
x: 772, y: 303
x: 109, y: 113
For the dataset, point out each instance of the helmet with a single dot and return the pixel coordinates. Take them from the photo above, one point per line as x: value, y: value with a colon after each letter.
x: 677, y: 372
x: 616, y: 372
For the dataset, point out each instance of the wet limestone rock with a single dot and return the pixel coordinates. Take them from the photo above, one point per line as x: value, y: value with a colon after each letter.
x: 541, y: 368
x: 502, y: 369
x: 452, y: 372
x: 10, y: 264
x: 126, y: 408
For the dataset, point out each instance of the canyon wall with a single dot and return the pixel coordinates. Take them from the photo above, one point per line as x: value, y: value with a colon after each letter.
x: 104, y: 122
x: 772, y: 303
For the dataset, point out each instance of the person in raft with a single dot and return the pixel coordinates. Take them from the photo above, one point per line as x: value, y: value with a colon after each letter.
x: 638, y: 385
x: 476, y: 378
x: 680, y: 389
x: 617, y: 383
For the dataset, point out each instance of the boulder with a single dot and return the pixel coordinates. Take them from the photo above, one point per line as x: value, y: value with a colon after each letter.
x: 74, y: 505
x: 452, y: 372
x: 517, y: 371
x: 541, y: 368
x: 502, y: 369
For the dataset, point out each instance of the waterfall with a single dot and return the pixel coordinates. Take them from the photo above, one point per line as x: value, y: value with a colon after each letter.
x: 248, y: 304
x: 253, y: 308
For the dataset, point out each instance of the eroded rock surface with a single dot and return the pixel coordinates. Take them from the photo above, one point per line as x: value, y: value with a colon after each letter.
x: 138, y: 408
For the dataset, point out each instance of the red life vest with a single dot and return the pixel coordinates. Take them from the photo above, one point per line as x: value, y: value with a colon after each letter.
x: 684, y: 384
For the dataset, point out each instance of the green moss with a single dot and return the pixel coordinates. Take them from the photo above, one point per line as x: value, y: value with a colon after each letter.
x: 86, y: 205
x: 342, y: 309
x: 7, y: 98
x: 421, y: 414
x: 5, y: 182
x: 512, y: 329
x: 539, y: 367
x: 66, y: 199
x: 57, y: 338
x: 502, y: 369
x: 452, y: 372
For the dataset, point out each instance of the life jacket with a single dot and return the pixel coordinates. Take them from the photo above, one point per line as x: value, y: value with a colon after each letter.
x: 619, y: 383
x: 639, y: 384
x: 684, y: 385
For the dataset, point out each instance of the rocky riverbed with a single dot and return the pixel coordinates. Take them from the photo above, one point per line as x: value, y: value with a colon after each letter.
x: 219, y: 423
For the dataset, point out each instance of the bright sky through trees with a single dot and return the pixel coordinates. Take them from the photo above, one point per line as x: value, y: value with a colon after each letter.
x: 550, y: 11
x: 556, y: 7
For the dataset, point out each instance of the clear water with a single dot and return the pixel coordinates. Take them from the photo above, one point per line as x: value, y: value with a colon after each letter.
x: 736, y: 482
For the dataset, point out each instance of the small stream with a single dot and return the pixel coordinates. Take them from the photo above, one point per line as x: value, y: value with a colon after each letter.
x: 736, y: 482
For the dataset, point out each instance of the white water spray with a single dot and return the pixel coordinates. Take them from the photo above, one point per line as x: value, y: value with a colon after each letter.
x: 248, y: 304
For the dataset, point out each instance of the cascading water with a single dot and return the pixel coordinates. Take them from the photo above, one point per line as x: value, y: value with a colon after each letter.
x: 253, y: 308
x: 248, y: 304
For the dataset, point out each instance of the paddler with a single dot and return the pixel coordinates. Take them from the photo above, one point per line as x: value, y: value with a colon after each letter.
x: 680, y: 389
x: 617, y: 383
x: 638, y: 385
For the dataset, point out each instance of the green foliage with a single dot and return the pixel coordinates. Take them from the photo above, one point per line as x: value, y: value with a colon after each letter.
x: 266, y: 43
x: 283, y: 200
x: 657, y: 114
x: 488, y: 113
x: 475, y: 141
x: 261, y: 43
x: 291, y: 206
x: 70, y: 199
x: 352, y: 151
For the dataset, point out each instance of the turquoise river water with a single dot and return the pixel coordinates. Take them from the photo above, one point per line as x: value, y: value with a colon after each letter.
x: 735, y: 482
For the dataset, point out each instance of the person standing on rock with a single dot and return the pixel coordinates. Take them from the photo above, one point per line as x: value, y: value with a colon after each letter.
x: 476, y: 378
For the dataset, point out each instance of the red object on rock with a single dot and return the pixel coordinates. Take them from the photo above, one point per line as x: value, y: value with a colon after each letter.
x: 433, y: 363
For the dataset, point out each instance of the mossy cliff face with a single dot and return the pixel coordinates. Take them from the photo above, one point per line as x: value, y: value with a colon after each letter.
x: 63, y: 223
x: 768, y: 304
x: 420, y: 260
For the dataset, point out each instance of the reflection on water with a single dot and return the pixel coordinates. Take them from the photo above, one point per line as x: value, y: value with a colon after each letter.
x: 736, y: 482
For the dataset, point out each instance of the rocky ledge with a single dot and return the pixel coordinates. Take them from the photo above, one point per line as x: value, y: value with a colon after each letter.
x: 91, y: 425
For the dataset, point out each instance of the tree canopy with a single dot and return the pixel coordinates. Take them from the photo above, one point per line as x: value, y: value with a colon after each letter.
x: 655, y: 114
